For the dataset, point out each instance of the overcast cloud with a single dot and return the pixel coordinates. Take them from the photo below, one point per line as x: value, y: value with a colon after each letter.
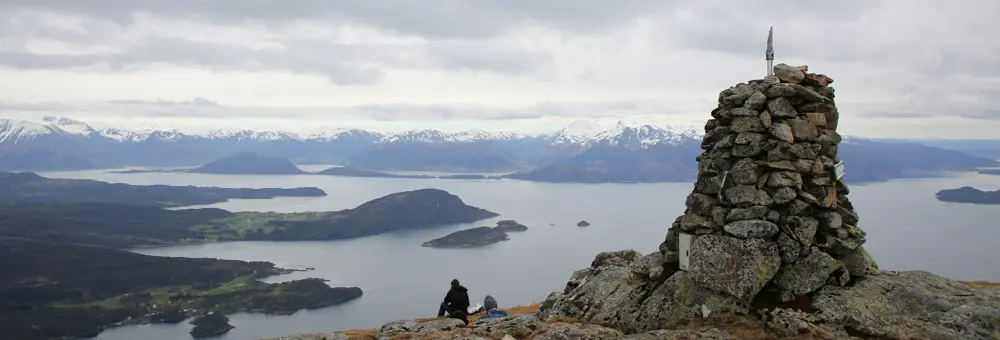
x: 903, y: 68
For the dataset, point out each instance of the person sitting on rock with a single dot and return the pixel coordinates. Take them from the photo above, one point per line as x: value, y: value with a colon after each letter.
x: 456, y: 302
x: 490, y: 307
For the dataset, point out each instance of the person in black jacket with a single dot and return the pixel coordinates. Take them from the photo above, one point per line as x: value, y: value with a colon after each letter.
x: 456, y: 302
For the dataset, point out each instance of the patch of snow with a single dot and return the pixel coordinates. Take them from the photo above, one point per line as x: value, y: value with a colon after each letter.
x: 70, y: 126
x: 18, y: 131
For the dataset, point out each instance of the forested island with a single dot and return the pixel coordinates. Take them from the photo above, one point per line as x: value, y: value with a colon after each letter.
x: 969, y: 195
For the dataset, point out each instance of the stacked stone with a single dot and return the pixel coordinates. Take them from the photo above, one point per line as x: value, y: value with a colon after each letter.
x: 767, y: 209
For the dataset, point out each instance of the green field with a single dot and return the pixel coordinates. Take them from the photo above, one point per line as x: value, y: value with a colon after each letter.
x: 239, y: 224
x: 163, y: 294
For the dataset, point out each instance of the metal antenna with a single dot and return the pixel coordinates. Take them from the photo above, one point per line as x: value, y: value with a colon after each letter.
x: 770, y: 52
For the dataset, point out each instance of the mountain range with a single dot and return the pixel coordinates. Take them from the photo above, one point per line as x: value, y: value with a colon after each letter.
x: 585, y: 151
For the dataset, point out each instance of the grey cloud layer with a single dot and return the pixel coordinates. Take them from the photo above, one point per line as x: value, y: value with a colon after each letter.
x: 205, y: 108
x: 939, y: 58
x: 441, y: 18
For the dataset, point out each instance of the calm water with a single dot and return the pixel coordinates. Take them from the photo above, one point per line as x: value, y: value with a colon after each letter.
x: 908, y: 229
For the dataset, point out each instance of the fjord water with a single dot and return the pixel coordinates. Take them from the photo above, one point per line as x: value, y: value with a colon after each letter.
x: 908, y: 229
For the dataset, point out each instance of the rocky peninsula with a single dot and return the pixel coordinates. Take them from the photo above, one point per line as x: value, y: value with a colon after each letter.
x: 769, y: 246
x: 59, y: 290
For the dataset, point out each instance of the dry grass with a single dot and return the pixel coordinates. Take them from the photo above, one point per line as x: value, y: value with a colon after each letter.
x: 369, y: 334
x: 982, y: 284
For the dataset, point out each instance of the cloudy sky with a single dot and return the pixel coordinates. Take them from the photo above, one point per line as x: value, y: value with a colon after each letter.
x: 903, y: 68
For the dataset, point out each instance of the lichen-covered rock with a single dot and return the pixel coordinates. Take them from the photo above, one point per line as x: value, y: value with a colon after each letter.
x: 752, y: 213
x: 781, y: 107
x: 789, y: 249
x: 782, y: 132
x: 316, y: 336
x: 756, y: 101
x: 517, y: 326
x: 747, y: 196
x: 803, y: 130
x: 707, y: 333
x: 784, y: 195
x: 608, y: 282
x: 567, y: 331
x: 747, y: 124
x: 910, y: 305
x: 751, y: 229
x: 737, y: 267
x: 790, y: 323
x: 614, y: 295
x: 807, y: 274
x: 417, y: 329
x: 858, y: 262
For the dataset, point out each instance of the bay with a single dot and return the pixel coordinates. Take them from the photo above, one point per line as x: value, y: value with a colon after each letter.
x: 908, y: 229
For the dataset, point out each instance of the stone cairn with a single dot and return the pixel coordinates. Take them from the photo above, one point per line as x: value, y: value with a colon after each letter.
x: 767, y: 210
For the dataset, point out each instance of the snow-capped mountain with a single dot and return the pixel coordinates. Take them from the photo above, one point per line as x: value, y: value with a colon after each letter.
x: 584, y: 133
x: 587, y: 133
x: 16, y: 131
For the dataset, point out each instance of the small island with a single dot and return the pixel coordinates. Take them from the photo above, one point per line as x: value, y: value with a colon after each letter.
x: 210, y: 325
x: 477, y: 237
x: 583, y: 224
x: 249, y: 163
x: 469, y: 238
x: 969, y: 195
x: 511, y: 226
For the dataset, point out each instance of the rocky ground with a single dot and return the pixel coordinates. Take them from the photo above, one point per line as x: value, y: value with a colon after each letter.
x: 616, y: 299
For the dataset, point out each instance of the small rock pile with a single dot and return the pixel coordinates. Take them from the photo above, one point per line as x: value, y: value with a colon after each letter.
x: 767, y: 207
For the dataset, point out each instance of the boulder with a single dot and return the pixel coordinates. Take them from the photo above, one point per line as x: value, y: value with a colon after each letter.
x: 858, y: 262
x: 517, y: 326
x: 807, y: 274
x: 747, y: 196
x: 740, y: 268
x: 417, y: 329
x: 756, y: 101
x: 565, y: 331
x: 751, y: 229
x: 784, y: 195
x: 747, y: 124
x: 803, y: 130
x: 788, y: 73
x: 782, y: 132
x: 781, y: 107
x: 820, y: 80
x: 751, y: 213
x: 614, y: 295
x: 788, y: 248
